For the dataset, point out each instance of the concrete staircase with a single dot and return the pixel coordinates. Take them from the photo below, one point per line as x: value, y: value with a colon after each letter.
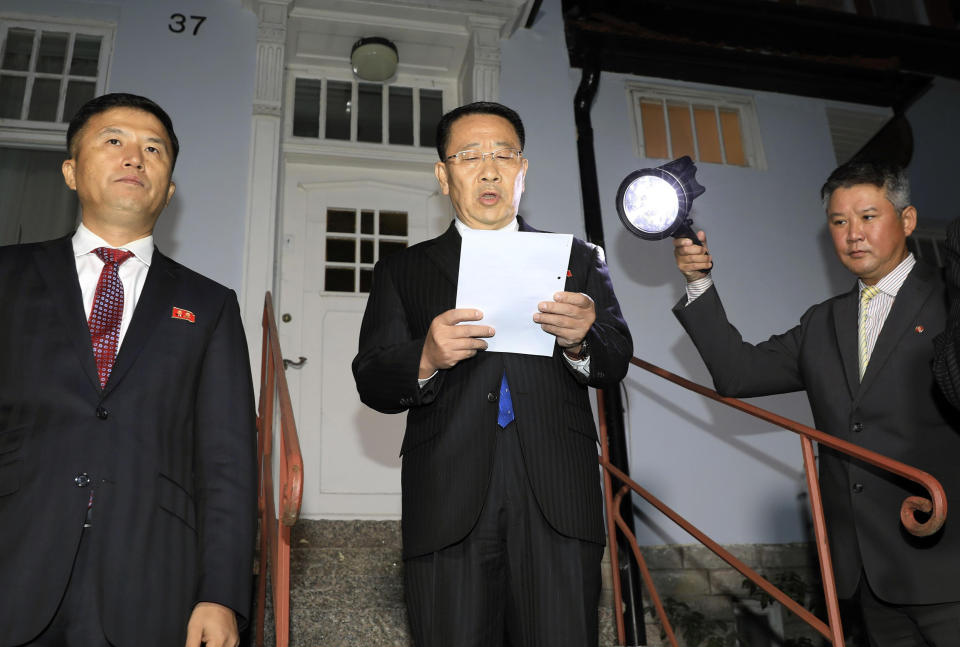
x: 347, y: 587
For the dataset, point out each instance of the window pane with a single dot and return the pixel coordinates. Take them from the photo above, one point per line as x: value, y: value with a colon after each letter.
x: 338, y: 110
x: 306, y: 108
x: 11, y: 96
x: 78, y: 93
x: 366, y: 222
x: 86, y: 55
x: 431, y: 109
x: 341, y: 251
x: 16, y: 55
x: 401, y: 116
x: 366, y: 280
x: 370, y: 117
x: 732, y: 137
x: 654, y: 132
x: 53, y: 52
x: 708, y: 137
x: 389, y: 247
x: 366, y: 251
x: 393, y: 223
x: 338, y: 279
x: 43, y: 100
x: 341, y: 220
x: 681, y: 132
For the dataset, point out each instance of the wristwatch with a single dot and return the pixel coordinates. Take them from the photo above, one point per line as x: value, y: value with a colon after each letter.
x: 582, y: 355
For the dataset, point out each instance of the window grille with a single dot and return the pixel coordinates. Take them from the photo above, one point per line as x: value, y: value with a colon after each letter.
x: 355, y: 240
x: 709, y: 127
x: 48, y: 70
x: 354, y: 111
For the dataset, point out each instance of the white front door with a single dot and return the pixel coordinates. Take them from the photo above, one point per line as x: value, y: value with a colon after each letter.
x: 337, y: 222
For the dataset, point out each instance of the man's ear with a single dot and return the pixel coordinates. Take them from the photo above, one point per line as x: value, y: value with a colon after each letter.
x: 440, y: 170
x: 170, y: 191
x: 909, y: 218
x: 69, y: 169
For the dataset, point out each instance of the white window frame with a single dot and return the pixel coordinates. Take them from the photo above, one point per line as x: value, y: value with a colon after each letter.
x: 743, y: 104
x: 46, y: 134
x: 322, y: 149
x: 357, y: 236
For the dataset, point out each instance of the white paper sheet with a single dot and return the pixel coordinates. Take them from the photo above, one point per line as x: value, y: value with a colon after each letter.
x: 505, y: 274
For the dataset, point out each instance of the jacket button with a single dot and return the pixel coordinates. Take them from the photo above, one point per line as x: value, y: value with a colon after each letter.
x: 102, y: 413
x: 491, y: 397
x: 858, y: 427
x: 82, y: 479
x: 857, y: 488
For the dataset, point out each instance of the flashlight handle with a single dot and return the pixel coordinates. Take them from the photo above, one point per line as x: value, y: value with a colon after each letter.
x: 686, y: 231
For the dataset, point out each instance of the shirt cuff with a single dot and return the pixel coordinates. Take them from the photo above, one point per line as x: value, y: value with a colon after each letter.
x: 426, y: 379
x: 698, y: 287
x: 581, y: 366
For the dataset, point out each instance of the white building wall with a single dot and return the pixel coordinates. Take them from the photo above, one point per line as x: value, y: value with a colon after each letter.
x: 205, y: 83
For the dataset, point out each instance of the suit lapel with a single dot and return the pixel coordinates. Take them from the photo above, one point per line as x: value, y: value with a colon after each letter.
x: 911, y: 297
x: 845, y: 311
x: 58, y: 267
x: 152, y: 308
x: 446, y: 254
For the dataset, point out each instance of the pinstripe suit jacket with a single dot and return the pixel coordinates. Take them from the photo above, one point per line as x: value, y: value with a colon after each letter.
x: 448, y: 445
x: 895, y: 410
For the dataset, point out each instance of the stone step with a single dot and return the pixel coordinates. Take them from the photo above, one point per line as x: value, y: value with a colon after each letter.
x: 347, y: 587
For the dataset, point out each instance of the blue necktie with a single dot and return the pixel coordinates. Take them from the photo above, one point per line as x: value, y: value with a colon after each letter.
x: 505, y: 417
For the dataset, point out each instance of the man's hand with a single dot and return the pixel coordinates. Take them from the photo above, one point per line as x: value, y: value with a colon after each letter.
x: 568, y: 317
x: 447, y: 343
x: 693, y: 261
x: 213, y: 624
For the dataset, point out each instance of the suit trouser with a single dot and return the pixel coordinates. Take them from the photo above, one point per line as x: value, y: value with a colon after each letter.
x: 77, y: 620
x: 915, y: 625
x: 513, y: 580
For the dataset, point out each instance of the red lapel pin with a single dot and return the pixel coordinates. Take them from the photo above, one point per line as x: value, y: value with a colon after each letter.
x: 183, y: 315
x: 919, y: 329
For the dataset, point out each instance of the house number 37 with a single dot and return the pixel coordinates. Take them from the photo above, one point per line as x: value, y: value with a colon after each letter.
x: 178, y: 23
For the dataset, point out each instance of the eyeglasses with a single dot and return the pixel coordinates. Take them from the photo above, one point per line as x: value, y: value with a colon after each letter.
x: 501, y: 157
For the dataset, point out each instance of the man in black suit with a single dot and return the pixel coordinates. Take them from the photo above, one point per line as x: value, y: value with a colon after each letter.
x: 864, y: 359
x: 127, y: 479
x: 502, y: 513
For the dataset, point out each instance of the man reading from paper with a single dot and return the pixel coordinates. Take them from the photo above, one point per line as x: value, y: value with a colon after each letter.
x: 502, y: 514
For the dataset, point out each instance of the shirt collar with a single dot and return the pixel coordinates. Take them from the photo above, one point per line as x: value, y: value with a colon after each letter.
x: 513, y: 225
x: 893, y: 281
x: 85, y: 241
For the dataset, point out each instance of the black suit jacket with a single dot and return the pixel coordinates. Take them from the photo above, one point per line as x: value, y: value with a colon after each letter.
x: 896, y: 410
x: 448, y: 445
x: 169, y: 445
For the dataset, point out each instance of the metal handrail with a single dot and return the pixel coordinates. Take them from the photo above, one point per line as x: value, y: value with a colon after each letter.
x: 935, y: 506
x: 274, y: 529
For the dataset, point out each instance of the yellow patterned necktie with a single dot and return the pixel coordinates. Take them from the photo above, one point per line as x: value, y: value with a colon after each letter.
x: 866, y: 294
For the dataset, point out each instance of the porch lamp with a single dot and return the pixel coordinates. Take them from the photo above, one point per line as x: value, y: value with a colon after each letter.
x: 374, y: 59
x: 654, y: 203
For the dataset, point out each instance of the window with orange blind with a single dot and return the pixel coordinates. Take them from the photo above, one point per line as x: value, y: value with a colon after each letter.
x: 718, y: 129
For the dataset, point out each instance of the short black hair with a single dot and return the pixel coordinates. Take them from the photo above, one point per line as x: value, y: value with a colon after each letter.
x: 476, y: 108
x: 889, y: 177
x: 120, y: 100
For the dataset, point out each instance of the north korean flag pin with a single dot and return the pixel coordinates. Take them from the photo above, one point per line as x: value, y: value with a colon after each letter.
x: 183, y: 315
x: 919, y: 329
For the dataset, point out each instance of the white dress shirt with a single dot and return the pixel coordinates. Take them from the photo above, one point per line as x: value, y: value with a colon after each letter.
x: 132, y: 272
